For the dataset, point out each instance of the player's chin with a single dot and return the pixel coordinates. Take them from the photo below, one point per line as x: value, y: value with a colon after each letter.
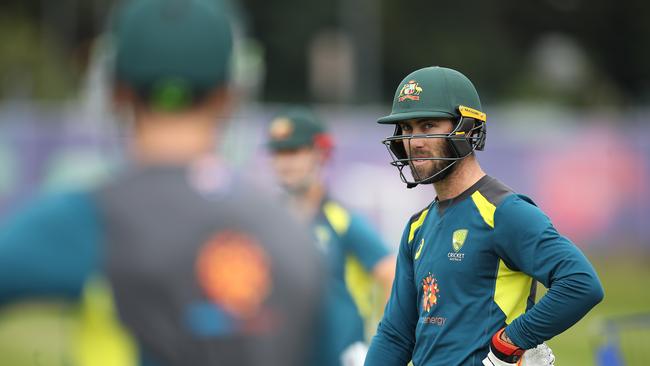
x: 422, y: 170
x: 289, y: 186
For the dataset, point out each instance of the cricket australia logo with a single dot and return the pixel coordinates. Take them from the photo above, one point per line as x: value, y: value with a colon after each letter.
x: 410, y: 91
x: 429, y: 292
x: 457, y: 242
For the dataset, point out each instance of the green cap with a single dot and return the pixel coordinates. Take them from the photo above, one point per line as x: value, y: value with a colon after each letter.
x: 172, y: 52
x: 295, y: 128
x: 433, y: 92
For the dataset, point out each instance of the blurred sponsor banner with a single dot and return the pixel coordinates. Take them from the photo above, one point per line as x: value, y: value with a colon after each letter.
x: 589, y: 174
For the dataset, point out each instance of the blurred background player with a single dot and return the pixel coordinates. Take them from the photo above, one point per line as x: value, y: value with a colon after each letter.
x: 204, y: 268
x: 465, y: 284
x: 357, y: 258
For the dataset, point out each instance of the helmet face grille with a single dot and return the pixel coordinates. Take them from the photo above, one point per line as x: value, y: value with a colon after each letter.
x: 468, y: 136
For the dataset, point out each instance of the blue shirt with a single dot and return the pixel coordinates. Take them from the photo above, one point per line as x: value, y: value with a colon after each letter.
x: 467, y: 267
x: 352, y: 249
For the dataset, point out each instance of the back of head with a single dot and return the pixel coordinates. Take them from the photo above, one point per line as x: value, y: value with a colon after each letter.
x: 172, y: 53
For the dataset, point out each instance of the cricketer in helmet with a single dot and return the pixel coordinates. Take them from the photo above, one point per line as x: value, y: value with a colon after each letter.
x: 356, y: 256
x: 451, y: 125
x: 300, y: 146
x: 469, y: 262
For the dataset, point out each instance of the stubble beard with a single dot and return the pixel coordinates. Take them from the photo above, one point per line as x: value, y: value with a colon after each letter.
x: 432, y: 167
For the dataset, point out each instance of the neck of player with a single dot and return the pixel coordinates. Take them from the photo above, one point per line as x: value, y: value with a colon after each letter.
x: 175, y: 137
x: 307, y: 202
x: 465, y: 174
x: 172, y: 139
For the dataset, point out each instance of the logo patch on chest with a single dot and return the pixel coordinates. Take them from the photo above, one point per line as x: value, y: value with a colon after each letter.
x: 430, y: 298
x: 429, y: 292
x: 457, y: 241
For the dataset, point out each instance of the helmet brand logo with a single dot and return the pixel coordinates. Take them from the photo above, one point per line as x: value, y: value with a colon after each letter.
x: 472, y: 113
x: 281, y: 129
x: 410, y: 91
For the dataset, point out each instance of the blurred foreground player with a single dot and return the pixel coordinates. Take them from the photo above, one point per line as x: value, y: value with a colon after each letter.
x: 464, y: 290
x: 204, y: 269
x: 356, y: 257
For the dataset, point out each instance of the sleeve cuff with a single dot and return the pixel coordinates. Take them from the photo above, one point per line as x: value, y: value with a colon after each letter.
x: 514, y: 333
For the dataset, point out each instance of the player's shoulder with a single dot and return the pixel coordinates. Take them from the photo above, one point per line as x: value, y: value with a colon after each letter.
x: 492, y: 195
x: 513, y: 209
x: 64, y: 199
x: 419, y: 215
x: 57, y: 205
x: 498, y: 203
x: 338, y: 215
x: 493, y: 192
x: 335, y: 206
x: 518, y: 206
x: 64, y: 217
x: 415, y: 223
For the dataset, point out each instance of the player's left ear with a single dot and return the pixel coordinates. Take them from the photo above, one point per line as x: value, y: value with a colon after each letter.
x: 220, y: 102
x: 123, y: 95
x: 324, y: 143
x: 124, y: 101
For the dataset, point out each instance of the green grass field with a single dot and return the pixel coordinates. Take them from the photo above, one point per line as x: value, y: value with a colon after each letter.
x: 626, y: 292
x: 38, y: 334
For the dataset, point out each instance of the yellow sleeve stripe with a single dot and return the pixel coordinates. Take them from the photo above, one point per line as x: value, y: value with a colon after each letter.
x: 416, y: 224
x: 359, y: 282
x: 337, y: 216
x: 364, y: 292
x: 485, y: 208
x: 100, y: 338
x: 511, y: 291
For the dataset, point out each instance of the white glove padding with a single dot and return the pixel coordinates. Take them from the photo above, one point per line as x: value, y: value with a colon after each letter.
x: 354, y: 355
x: 538, y: 356
x: 541, y: 355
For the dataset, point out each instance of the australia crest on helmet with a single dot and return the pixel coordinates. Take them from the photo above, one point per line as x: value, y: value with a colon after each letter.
x: 410, y: 91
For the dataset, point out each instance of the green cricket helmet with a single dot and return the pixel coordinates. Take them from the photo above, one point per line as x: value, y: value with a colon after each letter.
x: 295, y: 128
x: 436, y: 93
x: 172, y: 53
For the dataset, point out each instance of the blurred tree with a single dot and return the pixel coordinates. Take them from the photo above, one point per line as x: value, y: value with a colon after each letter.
x: 451, y: 34
x: 496, y: 44
x: 493, y: 43
x: 44, y: 45
x: 30, y: 63
x: 614, y: 35
x: 285, y: 28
